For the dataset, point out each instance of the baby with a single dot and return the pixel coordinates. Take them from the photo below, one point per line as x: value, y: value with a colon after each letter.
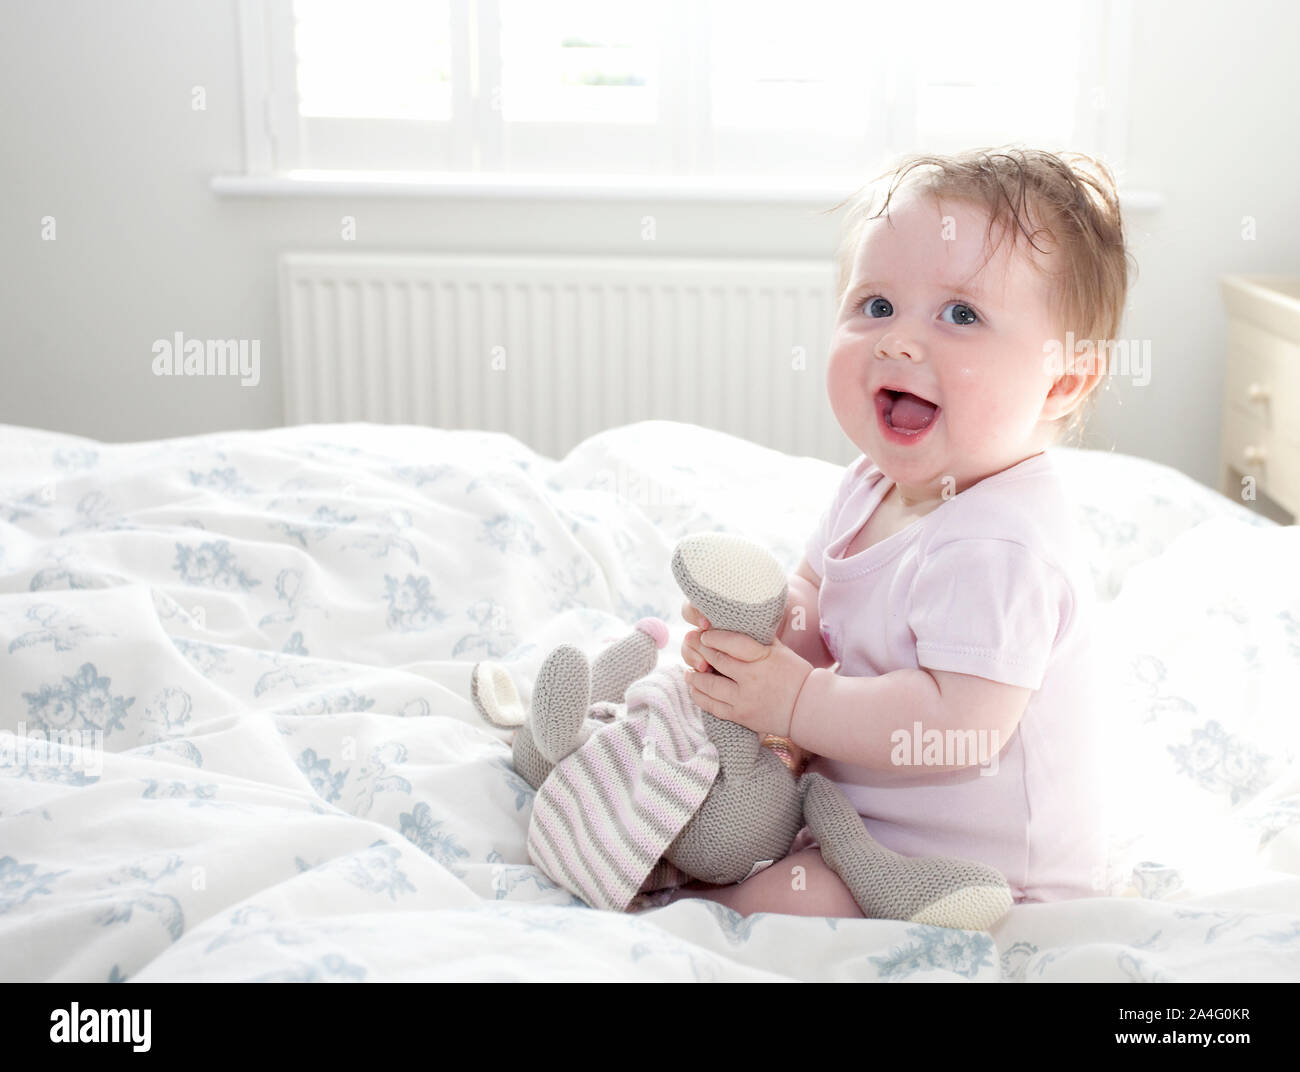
x: 935, y: 657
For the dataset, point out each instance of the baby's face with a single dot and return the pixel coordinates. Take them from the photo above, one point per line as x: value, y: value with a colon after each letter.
x: 920, y: 316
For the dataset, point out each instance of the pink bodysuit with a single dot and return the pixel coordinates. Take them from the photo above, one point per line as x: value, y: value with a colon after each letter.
x: 988, y: 583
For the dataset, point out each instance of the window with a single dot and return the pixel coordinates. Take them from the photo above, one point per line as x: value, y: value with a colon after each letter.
x: 676, y: 88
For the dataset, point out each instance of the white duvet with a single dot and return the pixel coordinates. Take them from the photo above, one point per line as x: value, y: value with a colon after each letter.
x: 236, y: 741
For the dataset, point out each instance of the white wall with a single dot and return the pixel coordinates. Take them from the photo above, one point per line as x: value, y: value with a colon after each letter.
x: 98, y: 132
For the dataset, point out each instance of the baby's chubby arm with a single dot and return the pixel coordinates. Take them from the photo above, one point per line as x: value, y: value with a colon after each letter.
x: 802, y: 630
x: 852, y: 719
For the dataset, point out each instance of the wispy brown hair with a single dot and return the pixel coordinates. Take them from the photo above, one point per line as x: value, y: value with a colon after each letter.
x: 1071, y: 198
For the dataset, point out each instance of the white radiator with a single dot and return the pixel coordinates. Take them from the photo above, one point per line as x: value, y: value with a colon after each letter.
x: 554, y: 349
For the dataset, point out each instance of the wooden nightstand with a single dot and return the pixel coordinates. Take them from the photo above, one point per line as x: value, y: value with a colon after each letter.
x: 1261, y: 397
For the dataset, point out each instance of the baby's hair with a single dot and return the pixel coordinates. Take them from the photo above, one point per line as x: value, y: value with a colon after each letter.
x: 1077, y: 207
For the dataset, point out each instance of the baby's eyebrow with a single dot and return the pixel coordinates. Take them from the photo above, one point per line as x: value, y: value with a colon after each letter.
x: 954, y: 288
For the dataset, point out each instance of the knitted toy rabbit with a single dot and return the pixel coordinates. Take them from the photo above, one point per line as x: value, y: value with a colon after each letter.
x: 640, y: 789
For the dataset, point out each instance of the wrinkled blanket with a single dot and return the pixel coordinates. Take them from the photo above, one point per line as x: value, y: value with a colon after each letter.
x: 236, y: 740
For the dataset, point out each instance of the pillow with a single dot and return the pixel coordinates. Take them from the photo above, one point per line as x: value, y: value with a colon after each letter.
x: 1199, y: 662
x: 1130, y: 509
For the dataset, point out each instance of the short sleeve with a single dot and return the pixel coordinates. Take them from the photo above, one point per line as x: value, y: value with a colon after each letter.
x: 989, y: 607
x: 822, y: 535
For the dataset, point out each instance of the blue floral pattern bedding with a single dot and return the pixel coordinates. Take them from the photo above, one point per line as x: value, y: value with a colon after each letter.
x: 236, y: 740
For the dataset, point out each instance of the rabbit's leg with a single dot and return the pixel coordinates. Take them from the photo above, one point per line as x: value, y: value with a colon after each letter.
x: 938, y: 890
x: 561, y: 696
x: 561, y: 714
x: 737, y: 584
x: 530, y: 764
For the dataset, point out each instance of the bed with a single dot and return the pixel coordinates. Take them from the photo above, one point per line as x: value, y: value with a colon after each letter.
x: 236, y: 740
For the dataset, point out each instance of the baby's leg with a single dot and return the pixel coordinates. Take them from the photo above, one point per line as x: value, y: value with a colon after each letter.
x: 799, y: 885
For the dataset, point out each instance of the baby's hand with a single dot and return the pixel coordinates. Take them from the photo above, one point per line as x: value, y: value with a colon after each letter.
x: 755, y: 685
x: 692, y: 650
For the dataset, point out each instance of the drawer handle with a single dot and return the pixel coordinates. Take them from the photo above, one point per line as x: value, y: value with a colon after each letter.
x: 1257, y: 392
x: 1255, y: 455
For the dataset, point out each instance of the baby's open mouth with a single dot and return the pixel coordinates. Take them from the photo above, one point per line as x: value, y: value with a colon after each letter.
x: 904, y: 411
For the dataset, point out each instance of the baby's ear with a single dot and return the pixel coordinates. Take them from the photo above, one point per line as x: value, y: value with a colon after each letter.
x: 1067, y: 394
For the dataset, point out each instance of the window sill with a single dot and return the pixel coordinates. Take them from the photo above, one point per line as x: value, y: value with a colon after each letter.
x: 813, y: 192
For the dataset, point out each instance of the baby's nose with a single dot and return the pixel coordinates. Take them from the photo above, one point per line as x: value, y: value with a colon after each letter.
x: 897, y: 346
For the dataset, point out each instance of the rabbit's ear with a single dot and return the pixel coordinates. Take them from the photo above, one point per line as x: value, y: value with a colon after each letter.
x: 495, y: 697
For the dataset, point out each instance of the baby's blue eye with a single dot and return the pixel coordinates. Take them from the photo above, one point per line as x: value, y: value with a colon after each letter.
x: 967, y: 308
x: 873, y: 308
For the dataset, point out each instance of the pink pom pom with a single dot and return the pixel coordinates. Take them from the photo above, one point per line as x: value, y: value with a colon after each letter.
x: 655, y: 629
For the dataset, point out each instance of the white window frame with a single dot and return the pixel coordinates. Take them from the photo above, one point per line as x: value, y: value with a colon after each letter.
x: 272, y: 142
